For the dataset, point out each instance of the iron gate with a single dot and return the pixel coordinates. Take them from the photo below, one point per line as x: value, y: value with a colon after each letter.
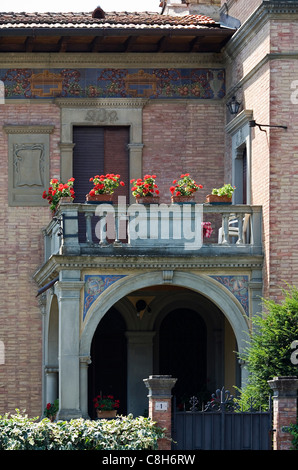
x: 221, y: 425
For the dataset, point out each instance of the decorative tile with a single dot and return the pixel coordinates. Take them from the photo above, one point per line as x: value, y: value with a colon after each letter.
x: 114, y: 83
x: 94, y: 286
x: 238, y: 286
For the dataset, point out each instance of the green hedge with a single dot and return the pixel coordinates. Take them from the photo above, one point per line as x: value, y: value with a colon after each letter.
x: 18, y: 432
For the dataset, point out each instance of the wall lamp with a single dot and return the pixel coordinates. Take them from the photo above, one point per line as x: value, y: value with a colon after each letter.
x: 254, y: 124
x: 233, y: 105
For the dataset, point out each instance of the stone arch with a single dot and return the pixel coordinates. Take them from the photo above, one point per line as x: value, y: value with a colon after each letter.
x: 210, y: 315
x: 51, y: 350
x: 200, y: 283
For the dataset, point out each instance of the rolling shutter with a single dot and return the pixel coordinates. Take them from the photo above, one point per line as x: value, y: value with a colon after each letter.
x: 99, y: 150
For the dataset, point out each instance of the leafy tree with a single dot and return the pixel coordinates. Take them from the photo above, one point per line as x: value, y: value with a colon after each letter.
x: 268, y: 353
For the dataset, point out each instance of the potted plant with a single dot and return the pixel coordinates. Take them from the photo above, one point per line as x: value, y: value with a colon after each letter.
x: 51, y: 410
x: 104, y: 187
x: 183, y: 190
x: 106, y: 406
x: 145, y: 190
x: 221, y: 195
x: 59, y: 192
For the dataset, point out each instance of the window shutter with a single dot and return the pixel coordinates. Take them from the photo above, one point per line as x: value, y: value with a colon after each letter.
x: 99, y: 150
x: 88, y: 158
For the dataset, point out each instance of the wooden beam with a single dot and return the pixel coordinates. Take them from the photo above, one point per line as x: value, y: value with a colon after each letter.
x: 63, y: 43
x: 29, y: 43
x: 129, y: 43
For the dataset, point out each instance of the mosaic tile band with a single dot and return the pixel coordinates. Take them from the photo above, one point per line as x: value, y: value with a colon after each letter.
x: 114, y: 83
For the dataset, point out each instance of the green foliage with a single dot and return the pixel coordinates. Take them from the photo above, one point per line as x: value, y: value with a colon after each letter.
x: 269, y: 350
x: 18, y: 432
x: 225, y: 190
x: 293, y: 430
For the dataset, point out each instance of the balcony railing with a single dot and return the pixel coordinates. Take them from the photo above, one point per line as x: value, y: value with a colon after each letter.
x: 88, y: 229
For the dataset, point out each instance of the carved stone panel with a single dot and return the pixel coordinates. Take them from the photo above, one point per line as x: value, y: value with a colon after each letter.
x: 28, y: 164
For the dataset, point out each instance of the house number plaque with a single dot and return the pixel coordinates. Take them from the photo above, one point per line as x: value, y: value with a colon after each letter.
x: 161, y: 406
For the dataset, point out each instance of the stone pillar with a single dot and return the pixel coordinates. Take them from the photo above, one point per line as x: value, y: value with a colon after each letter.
x: 160, y: 406
x: 68, y: 293
x: 139, y: 364
x: 84, y: 364
x: 284, y: 410
x: 51, y: 384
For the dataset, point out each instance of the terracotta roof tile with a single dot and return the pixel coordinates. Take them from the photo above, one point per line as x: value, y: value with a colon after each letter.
x: 111, y: 20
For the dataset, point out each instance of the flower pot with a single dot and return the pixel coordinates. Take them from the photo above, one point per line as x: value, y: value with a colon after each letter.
x: 147, y: 200
x: 215, y: 199
x: 65, y: 200
x: 182, y: 199
x: 106, y: 414
x: 99, y: 198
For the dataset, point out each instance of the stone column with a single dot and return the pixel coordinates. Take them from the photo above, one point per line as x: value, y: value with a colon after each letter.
x: 139, y: 364
x: 284, y: 410
x: 160, y: 407
x: 51, y: 384
x: 68, y: 293
x: 84, y: 364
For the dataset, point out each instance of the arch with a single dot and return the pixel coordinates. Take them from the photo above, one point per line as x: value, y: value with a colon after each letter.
x: 201, y: 283
x: 50, y: 351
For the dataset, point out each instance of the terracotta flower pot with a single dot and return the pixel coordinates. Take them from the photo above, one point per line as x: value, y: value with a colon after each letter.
x: 182, y: 199
x: 99, y: 198
x: 147, y: 200
x: 105, y: 414
x: 66, y: 200
x: 215, y: 199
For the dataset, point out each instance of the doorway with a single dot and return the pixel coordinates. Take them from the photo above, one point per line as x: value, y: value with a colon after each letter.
x: 107, y: 373
x: 183, y: 353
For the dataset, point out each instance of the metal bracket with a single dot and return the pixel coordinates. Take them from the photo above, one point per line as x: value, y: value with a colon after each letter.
x: 254, y: 124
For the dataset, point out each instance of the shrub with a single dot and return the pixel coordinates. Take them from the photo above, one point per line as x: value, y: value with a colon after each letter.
x: 18, y: 432
x: 269, y: 350
x: 293, y: 430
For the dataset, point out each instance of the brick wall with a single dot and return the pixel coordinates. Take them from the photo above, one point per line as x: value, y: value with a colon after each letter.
x: 178, y: 137
x: 266, y: 90
x: 21, y: 253
x: 184, y: 138
x: 254, y: 94
x: 283, y: 161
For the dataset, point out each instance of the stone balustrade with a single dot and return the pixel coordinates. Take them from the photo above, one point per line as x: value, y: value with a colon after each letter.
x: 155, y: 229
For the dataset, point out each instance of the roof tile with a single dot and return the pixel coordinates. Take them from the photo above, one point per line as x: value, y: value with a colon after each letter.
x: 111, y: 19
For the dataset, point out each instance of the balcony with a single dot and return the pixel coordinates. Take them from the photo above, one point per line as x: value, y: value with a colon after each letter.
x: 154, y: 230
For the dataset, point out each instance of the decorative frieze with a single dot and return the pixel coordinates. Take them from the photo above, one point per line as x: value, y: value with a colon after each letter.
x: 153, y: 83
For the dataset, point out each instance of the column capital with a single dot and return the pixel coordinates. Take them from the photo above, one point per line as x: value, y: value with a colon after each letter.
x: 284, y: 386
x: 160, y: 386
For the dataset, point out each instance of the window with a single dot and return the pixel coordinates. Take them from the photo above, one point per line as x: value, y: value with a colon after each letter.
x: 100, y: 150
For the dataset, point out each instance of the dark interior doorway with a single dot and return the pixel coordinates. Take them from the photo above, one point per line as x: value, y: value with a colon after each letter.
x: 182, y: 354
x: 107, y: 373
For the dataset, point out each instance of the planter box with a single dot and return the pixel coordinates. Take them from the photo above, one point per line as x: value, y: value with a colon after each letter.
x: 215, y: 199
